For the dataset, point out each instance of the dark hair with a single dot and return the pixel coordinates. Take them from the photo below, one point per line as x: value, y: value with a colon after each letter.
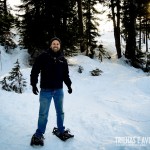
x: 54, y: 38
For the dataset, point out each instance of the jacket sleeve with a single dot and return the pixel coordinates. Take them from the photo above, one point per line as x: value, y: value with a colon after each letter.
x: 67, y: 80
x: 35, y: 72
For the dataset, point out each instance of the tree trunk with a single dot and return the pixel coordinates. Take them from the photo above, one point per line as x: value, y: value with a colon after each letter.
x: 140, y: 32
x: 88, y: 28
x: 146, y: 34
x: 81, y: 32
x: 116, y: 25
x: 5, y: 7
x: 131, y: 39
x: 147, y: 45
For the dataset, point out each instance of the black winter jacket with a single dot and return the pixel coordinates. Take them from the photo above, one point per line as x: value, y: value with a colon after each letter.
x: 53, y: 68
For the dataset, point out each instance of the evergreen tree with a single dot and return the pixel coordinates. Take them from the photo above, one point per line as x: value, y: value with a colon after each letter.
x: 133, y: 23
x: 69, y: 33
x: 81, y: 26
x: 102, y: 53
x: 90, y: 25
x: 114, y: 14
x: 141, y: 9
x: 129, y: 21
x: 15, y: 81
x: 144, y: 27
x: 6, y: 23
x: 5, y: 85
x: 147, y: 67
x: 116, y: 5
x: 32, y: 26
x: 44, y: 19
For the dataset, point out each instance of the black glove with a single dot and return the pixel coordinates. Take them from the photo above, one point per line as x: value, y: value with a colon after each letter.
x: 35, y: 90
x: 69, y: 90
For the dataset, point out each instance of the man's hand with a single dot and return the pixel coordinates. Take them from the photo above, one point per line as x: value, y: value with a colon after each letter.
x: 35, y: 90
x: 69, y: 90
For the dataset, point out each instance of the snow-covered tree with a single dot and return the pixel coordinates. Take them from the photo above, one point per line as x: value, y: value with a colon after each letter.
x: 5, y: 85
x: 15, y: 81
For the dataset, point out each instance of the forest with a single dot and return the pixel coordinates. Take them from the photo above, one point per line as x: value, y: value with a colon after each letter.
x: 75, y: 23
x: 108, y: 108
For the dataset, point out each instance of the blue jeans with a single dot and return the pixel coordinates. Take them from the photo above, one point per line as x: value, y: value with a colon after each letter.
x: 46, y: 96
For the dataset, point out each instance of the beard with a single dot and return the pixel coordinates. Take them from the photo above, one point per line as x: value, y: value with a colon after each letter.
x: 55, y: 49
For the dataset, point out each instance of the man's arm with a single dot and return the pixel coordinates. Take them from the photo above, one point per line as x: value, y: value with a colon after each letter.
x: 67, y: 80
x: 34, y: 75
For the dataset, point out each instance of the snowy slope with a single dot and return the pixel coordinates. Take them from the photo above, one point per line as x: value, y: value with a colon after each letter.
x: 100, y: 109
x: 7, y: 60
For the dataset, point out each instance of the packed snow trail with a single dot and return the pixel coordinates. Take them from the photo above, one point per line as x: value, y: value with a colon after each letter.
x: 100, y: 109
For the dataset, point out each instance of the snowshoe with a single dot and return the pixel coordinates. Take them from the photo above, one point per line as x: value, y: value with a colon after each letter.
x: 37, y: 140
x: 63, y: 136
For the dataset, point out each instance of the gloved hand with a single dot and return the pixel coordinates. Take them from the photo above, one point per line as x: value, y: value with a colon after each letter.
x: 69, y: 90
x: 35, y: 90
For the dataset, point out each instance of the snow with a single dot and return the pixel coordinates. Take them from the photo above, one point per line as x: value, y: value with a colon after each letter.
x: 101, y: 112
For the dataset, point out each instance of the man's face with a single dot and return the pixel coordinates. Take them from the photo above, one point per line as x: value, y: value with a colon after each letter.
x: 55, y: 46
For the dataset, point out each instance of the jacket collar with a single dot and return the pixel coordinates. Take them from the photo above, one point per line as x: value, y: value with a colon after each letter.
x: 54, y: 54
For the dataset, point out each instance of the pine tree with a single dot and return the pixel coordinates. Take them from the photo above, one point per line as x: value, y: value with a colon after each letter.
x: 80, y: 26
x: 44, y: 19
x: 130, y: 15
x: 135, y: 23
x: 6, y: 23
x: 102, y: 53
x: 147, y: 68
x: 15, y: 81
x: 115, y: 7
x: 5, y: 85
x: 90, y: 23
x: 16, y: 78
x: 33, y: 35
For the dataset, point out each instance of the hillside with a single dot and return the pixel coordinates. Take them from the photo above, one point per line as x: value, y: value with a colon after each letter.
x: 106, y: 112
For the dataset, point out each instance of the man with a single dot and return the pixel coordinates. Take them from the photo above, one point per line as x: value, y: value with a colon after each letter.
x: 53, y: 70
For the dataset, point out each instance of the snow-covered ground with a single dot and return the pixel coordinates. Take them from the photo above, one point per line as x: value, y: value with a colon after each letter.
x: 106, y: 112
